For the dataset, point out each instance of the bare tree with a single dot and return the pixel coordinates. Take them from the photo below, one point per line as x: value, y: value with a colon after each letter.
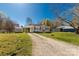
x: 10, y: 25
x: 6, y: 24
x: 57, y: 12
x: 0, y: 23
x: 74, y: 12
x: 75, y: 21
x: 57, y: 23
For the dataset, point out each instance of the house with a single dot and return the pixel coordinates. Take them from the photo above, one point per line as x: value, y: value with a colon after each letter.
x: 36, y: 28
x: 65, y: 27
x: 18, y: 28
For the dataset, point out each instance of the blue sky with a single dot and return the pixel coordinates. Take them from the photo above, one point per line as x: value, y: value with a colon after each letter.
x: 37, y: 12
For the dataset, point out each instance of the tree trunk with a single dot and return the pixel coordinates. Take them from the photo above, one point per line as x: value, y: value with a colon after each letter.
x: 77, y: 30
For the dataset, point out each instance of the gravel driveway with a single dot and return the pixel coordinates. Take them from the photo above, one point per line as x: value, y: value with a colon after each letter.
x: 43, y: 46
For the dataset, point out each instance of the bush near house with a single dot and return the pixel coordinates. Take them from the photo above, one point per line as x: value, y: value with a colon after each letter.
x: 64, y: 36
x: 15, y: 44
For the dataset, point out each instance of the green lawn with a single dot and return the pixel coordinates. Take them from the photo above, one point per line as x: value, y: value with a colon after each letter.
x: 15, y: 44
x: 64, y: 36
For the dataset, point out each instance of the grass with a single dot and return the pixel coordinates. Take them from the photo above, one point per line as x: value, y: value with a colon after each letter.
x: 64, y: 36
x: 15, y: 44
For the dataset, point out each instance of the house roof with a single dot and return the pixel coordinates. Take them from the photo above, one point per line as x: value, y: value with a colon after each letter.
x: 65, y: 27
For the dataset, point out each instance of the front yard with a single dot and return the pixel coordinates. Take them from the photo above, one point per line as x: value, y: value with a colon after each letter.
x: 64, y: 36
x: 15, y: 44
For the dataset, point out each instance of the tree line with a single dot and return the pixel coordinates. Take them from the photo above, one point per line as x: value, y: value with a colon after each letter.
x: 6, y: 24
